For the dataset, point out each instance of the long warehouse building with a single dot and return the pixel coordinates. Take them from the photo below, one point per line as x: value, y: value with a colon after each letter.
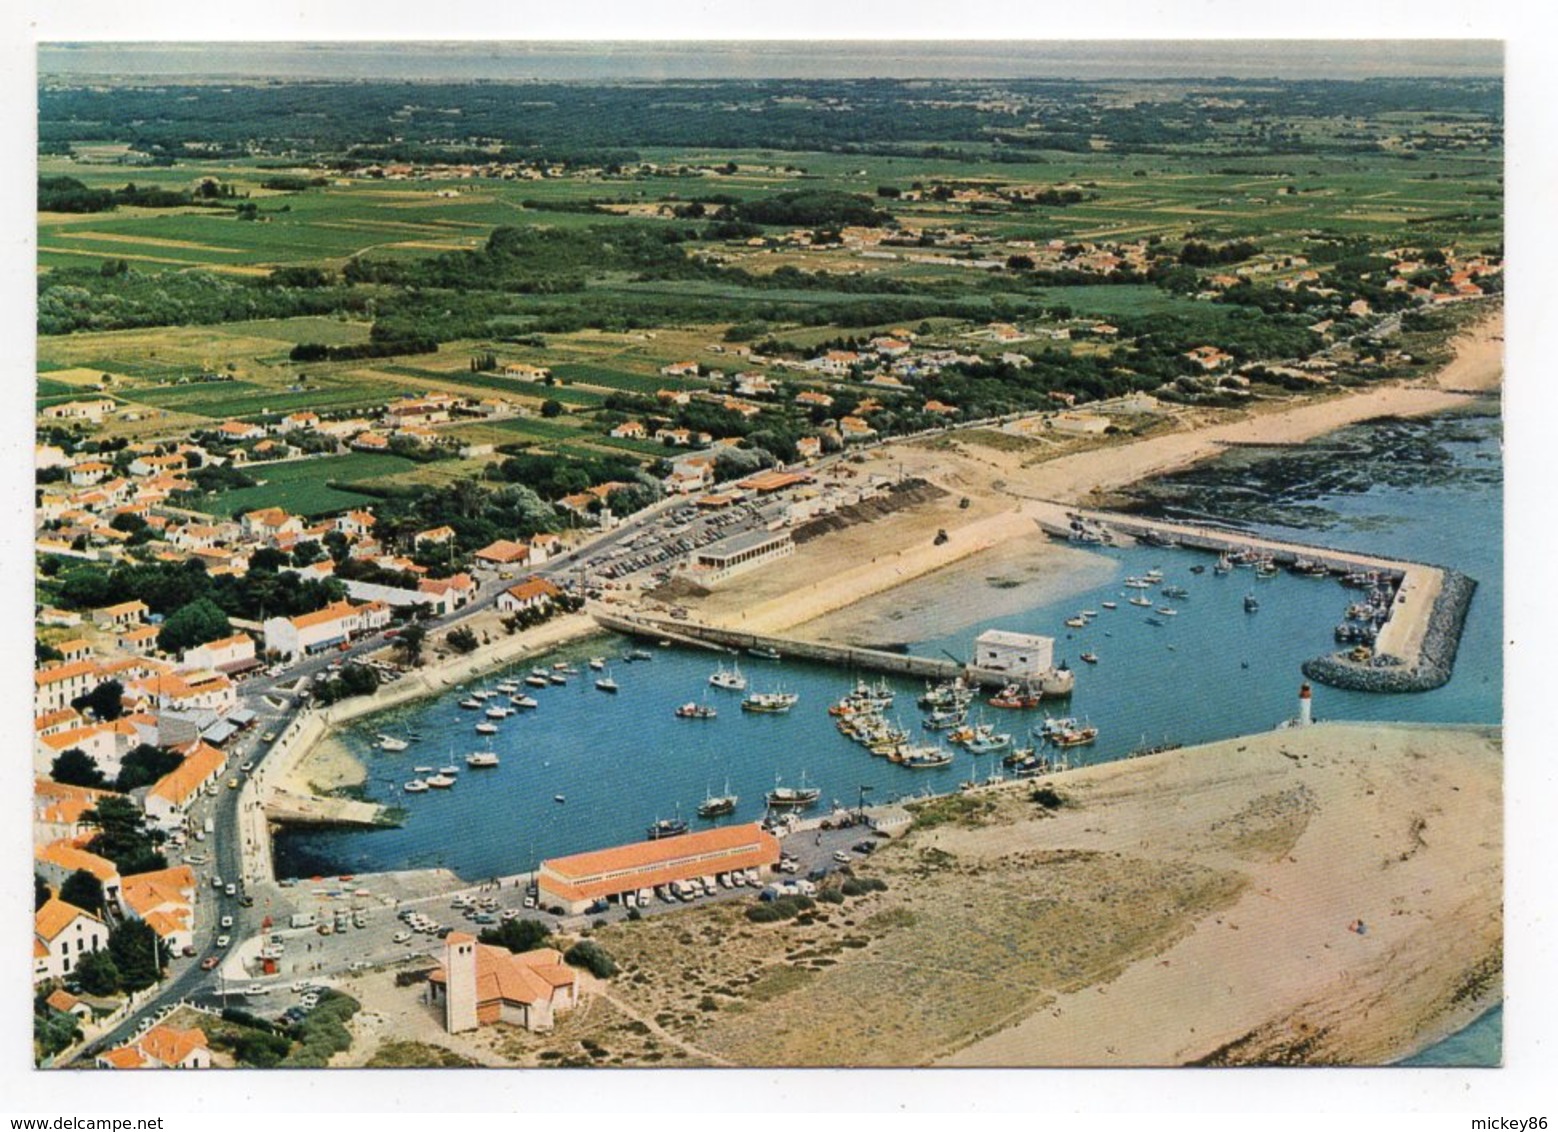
x: 578, y: 881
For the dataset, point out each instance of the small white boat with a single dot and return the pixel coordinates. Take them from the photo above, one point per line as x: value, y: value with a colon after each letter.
x: 598, y: 663
x: 415, y: 786
x: 390, y: 743
x: 1167, y: 612
x: 508, y: 687
x: 1142, y: 601
x: 440, y: 782
x: 422, y: 769
x: 471, y: 703
x: 1110, y: 604
x: 558, y: 798
x: 499, y: 712
x: 537, y: 681
x: 529, y: 703
x: 477, y: 759
x: 446, y: 770
x: 486, y: 729
x: 483, y: 695
x: 557, y: 678
x: 606, y: 684
x: 729, y: 679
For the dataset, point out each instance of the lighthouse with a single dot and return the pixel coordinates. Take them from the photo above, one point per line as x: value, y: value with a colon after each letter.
x: 1305, y: 706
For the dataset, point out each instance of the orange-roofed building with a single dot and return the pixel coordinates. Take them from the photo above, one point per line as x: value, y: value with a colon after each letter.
x: 161, y: 1047
x: 67, y: 1003
x: 65, y: 933
x: 479, y: 984
x: 532, y: 593
x: 58, y: 859
x: 58, y: 810
x: 578, y: 881
x: 165, y: 901
x: 335, y: 624
x: 54, y: 687
x: 53, y: 722
x: 503, y: 553
x: 170, y: 796
x: 765, y: 483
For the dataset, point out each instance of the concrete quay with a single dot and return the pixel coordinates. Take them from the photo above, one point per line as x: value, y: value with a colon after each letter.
x: 1416, y: 646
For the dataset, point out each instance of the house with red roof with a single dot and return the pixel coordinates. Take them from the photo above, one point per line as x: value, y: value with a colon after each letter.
x: 62, y: 934
x: 161, y: 1047
x: 479, y: 984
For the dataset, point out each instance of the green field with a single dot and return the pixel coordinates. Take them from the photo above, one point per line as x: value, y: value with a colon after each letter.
x: 311, y: 487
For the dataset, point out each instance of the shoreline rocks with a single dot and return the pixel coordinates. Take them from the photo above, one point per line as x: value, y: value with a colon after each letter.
x: 1436, y: 661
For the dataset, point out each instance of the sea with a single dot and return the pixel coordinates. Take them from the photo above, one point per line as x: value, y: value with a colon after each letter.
x: 588, y: 768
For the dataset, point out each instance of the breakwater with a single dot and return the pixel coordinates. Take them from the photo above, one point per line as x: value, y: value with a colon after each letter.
x: 1435, y: 660
x: 1416, y: 646
x: 848, y: 656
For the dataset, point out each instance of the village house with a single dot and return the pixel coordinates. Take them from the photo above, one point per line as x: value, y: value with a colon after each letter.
x: 811, y: 397
x: 835, y: 362
x: 501, y: 554
x: 532, y: 593
x: 434, y: 536
x: 544, y: 546
x: 140, y: 640
x: 370, y: 442
x: 335, y: 624
x: 66, y: 1003
x: 680, y: 369
x: 62, y: 934
x: 240, y: 430
x: 59, y: 810
x: 524, y: 372
x: 630, y: 430
x: 89, y: 473
x: 673, y: 396
x: 55, y: 861
x: 269, y: 525
x: 689, y: 475
x: 186, y: 691
x: 809, y: 448
x: 56, y: 685
x: 1209, y: 357
x: 293, y: 422
x: 755, y: 385
x: 161, y: 1047
x: 169, y: 798
x: 940, y: 408
x: 448, y: 594
x: 855, y: 428
x: 92, y: 409
x: 231, y: 655
x: 158, y: 465
x: 164, y: 901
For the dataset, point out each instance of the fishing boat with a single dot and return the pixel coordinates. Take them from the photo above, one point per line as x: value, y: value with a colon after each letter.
x: 952, y: 693
x: 529, y: 703
x: 606, y: 684
x: 1250, y: 604
x: 486, y: 729
x: 1168, y: 611
x: 483, y: 694
x: 1175, y: 592
x: 772, y: 703
x: 793, y: 797
x: 944, y: 720
x: 696, y: 711
x: 537, y: 681
x: 479, y: 759
x: 507, y: 687
x: 987, y: 741
x: 1052, y: 726
x: 440, y: 781
x: 1075, y: 737
x: 715, y: 806
x: 1266, y: 569
x: 415, y: 786
x: 471, y: 703
x: 729, y: 678
x: 1142, y: 600
x: 765, y: 652
x: 1090, y: 658
x: 924, y: 758
x: 1110, y: 604
x: 1077, y: 622
x: 1224, y: 564
x: 640, y: 654
x: 1016, y: 696
x: 499, y: 712
x: 390, y: 743
x: 1135, y: 583
x: 557, y: 677
x: 597, y: 663
x: 565, y: 667
x: 666, y: 827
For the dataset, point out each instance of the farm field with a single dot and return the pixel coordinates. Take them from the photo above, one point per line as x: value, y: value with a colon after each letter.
x: 311, y: 486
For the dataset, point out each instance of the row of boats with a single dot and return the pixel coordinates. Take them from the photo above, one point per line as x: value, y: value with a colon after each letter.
x: 443, y: 778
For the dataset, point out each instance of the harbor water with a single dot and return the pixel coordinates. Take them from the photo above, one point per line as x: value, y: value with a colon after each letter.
x: 587, y: 768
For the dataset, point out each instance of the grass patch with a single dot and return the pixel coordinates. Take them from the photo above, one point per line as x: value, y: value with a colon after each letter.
x: 417, y: 1055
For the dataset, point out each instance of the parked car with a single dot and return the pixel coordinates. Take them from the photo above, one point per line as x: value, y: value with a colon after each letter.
x: 223, y: 941
x: 227, y: 921
x: 209, y: 963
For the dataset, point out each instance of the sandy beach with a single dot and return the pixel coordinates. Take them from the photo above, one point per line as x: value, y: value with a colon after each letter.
x: 1321, y: 895
x: 1000, y: 474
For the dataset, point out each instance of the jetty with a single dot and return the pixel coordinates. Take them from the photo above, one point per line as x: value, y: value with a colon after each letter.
x: 847, y: 656
x: 1415, y: 648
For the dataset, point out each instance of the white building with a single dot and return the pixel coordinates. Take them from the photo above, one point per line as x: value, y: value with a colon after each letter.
x: 1025, y: 656
x: 62, y: 934
x: 335, y: 624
